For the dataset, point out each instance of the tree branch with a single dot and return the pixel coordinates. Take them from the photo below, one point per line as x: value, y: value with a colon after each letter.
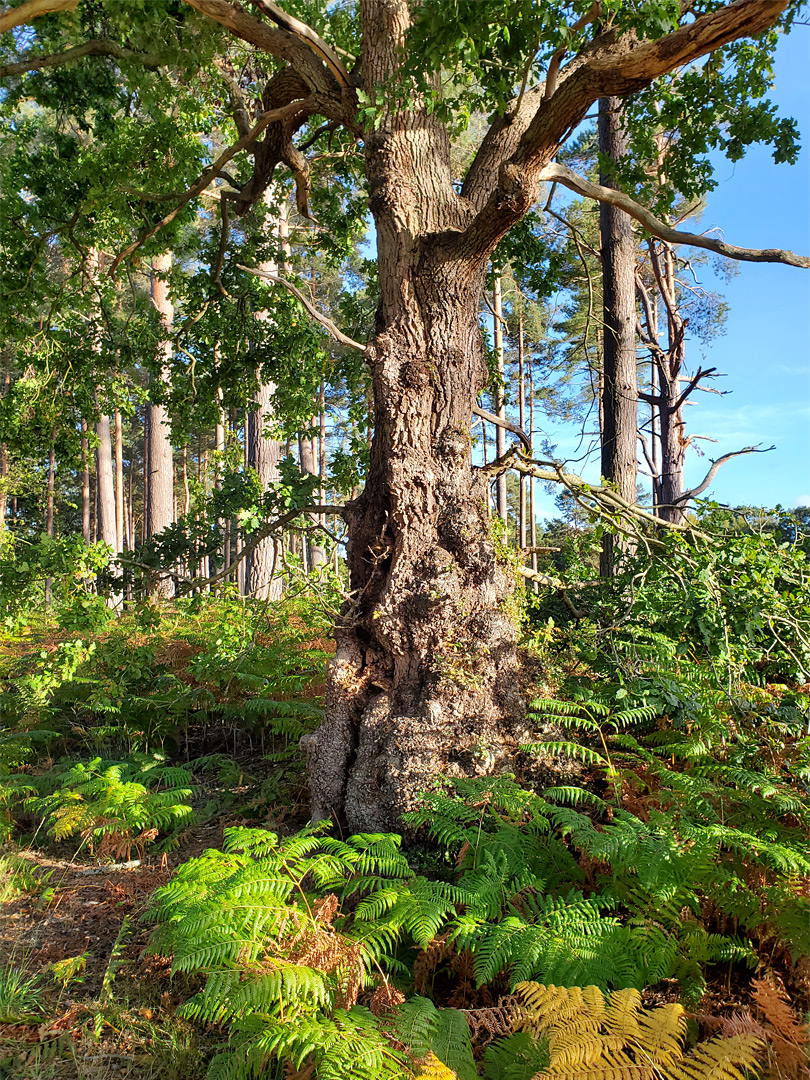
x: 691, y: 385
x: 286, y: 112
x: 710, y: 475
x: 326, y: 322
x: 307, y: 34
x: 502, y: 182
x: 654, y: 225
x: 287, y: 44
x: 500, y: 422
x: 31, y: 10
x: 96, y: 47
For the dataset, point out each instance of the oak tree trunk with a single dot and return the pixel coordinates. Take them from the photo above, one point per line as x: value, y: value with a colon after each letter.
x: 424, y: 680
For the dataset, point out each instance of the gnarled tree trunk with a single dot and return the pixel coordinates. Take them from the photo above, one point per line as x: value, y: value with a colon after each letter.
x: 424, y: 680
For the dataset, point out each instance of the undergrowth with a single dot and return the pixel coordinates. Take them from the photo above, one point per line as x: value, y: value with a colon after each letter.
x: 644, y: 915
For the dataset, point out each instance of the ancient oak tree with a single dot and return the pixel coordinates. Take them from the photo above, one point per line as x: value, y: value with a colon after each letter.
x: 425, y: 678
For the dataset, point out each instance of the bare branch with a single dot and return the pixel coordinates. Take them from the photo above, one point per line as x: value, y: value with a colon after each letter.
x: 307, y: 34
x: 500, y: 422
x: 654, y: 225
x: 599, y: 499
x: 654, y: 473
x: 96, y: 47
x: 337, y: 334
x: 286, y: 112
x: 31, y: 10
x: 691, y: 385
x: 710, y: 475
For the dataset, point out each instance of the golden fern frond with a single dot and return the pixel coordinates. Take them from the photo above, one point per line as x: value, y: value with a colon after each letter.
x: 621, y: 1017
x: 571, y: 1046
x: 430, y: 1068
x: 550, y: 1006
x: 601, y: 1072
x: 720, y: 1059
x: 661, y: 1033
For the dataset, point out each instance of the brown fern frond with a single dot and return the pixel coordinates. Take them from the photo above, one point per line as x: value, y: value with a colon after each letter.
x: 786, y: 1037
x: 325, y: 909
x: 741, y: 1023
x: 428, y: 960
x: 773, y: 1003
x: 496, y: 1021
x: 385, y: 999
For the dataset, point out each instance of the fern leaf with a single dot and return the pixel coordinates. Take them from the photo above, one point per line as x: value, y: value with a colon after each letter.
x: 719, y: 1059
x: 433, y: 1069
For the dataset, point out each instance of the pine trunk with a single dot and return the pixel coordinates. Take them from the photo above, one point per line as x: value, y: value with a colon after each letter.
x: 620, y: 383
x: 261, y: 573
x: 104, y: 477
x: 159, y: 510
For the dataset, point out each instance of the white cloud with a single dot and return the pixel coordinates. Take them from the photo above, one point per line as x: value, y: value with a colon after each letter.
x: 802, y: 500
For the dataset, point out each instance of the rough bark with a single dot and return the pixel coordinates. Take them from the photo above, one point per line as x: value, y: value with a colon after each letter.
x: 620, y: 382
x: 159, y: 510
x: 424, y: 679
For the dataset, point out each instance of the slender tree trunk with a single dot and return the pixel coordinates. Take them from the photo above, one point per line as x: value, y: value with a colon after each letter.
x: 4, y: 466
x: 314, y: 551
x: 673, y: 438
x: 159, y: 511
x: 322, y: 445
x: 50, y: 506
x: 261, y: 577
x: 105, y: 486
x: 620, y: 392
x: 424, y: 679
x: 522, y: 421
x: 532, y: 481
x: 119, y: 482
x: 50, y: 502
x: 85, y: 451
x: 500, y: 406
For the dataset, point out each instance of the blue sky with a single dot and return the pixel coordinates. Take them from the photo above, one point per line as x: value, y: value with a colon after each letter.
x: 765, y: 351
